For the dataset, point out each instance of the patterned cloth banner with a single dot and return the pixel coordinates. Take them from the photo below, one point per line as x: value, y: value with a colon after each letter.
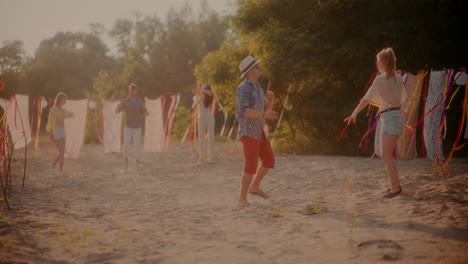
x: 18, y: 119
x: 75, y: 127
x: 112, y: 123
x: 406, y: 149
x: 432, y: 127
x: 154, y: 126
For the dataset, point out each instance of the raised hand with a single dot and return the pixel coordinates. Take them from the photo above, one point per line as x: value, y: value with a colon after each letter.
x: 270, y: 96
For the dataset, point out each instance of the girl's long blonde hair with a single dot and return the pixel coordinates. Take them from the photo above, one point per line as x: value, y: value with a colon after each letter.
x: 59, y: 98
x: 388, y: 57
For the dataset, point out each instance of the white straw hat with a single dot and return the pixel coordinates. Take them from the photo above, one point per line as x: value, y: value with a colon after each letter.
x: 246, y: 64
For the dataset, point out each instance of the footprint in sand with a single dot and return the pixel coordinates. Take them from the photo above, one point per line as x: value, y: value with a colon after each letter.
x: 380, y: 250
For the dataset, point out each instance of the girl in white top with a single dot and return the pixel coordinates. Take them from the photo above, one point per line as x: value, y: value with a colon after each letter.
x: 206, y: 122
x: 389, y: 93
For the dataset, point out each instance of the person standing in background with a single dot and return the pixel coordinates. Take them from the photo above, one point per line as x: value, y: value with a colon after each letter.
x: 134, y: 108
x: 206, y: 123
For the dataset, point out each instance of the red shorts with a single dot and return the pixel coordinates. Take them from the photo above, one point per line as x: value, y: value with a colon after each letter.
x: 254, y: 149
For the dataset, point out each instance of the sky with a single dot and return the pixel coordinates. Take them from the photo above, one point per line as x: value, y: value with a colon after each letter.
x: 34, y: 20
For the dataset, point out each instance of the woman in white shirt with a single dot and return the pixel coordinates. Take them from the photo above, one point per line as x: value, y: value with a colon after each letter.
x: 389, y: 93
x: 206, y: 122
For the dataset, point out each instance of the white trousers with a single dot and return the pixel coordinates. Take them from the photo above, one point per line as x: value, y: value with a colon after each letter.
x: 206, y: 124
x: 136, y: 134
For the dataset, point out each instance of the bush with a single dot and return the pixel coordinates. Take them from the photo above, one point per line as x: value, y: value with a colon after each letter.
x: 182, y: 121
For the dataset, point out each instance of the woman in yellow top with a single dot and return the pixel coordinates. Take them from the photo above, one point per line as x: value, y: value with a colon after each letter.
x: 388, y: 92
x: 56, y: 129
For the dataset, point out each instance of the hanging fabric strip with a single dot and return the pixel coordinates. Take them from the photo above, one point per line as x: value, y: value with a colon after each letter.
x: 98, y: 133
x: 232, y: 128
x: 194, y: 137
x: 443, y: 127
x: 221, y: 108
x: 460, y: 128
x: 308, y: 111
x: 184, y: 137
x: 169, y: 121
x: 38, y: 126
x: 281, y: 115
x: 75, y: 127
x: 31, y: 119
x: 163, y: 103
x: 370, y: 125
x: 426, y: 86
x: 112, y: 123
x: 376, y: 127
x: 224, y: 124
x: 364, y: 90
x: 466, y: 122
x: 284, y: 107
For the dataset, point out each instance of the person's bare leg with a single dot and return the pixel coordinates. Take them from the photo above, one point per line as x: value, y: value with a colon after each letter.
x: 389, y: 143
x: 56, y: 160
x: 261, y: 172
x: 245, y: 184
x: 58, y: 144
x: 61, y: 146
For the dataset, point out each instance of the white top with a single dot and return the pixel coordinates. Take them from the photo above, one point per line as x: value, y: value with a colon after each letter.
x: 198, y: 100
x: 387, y: 93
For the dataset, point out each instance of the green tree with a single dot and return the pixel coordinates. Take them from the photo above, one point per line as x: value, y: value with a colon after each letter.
x: 326, y: 51
x: 67, y: 62
x: 11, y: 63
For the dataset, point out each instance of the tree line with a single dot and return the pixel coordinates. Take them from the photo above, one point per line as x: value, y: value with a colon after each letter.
x: 321, y: 51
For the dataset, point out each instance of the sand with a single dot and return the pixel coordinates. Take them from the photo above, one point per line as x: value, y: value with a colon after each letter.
x: 171, y: 210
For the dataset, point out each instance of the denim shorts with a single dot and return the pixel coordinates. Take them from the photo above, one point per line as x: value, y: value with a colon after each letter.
x: 59, y: 132
x: 393, y: 122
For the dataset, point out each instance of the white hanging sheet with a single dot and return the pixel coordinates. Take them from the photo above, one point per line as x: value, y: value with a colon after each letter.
x: 75, y: 126
x: 154, y: 126
x: 18, y: 120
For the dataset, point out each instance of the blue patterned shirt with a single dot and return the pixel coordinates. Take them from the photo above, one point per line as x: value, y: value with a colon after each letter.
x: 253, y: 97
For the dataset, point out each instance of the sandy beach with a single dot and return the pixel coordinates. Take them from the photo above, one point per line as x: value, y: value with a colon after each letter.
x: 171, y: 210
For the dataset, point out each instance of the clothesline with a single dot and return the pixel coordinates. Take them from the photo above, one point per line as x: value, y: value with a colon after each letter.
x: 436, y: 100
